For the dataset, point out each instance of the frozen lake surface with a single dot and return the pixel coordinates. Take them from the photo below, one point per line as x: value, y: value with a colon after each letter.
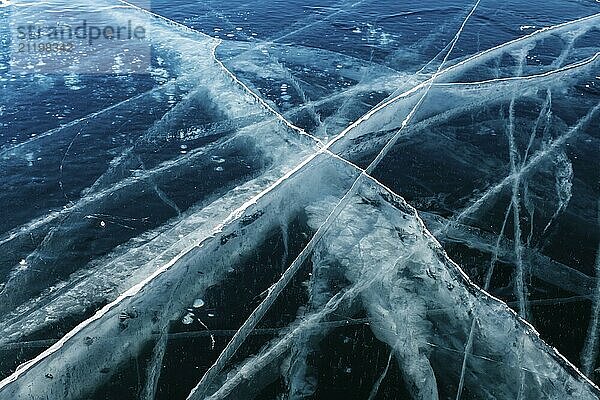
x: 300, y: 200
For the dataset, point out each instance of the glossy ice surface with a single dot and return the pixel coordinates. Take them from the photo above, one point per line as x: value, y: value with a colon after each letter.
x: 261, y: 200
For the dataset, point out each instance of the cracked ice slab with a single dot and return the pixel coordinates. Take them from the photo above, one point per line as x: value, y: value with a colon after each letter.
x: 208, y: 84
x: 141, y: 335
x: 415, y: 297
x: 406, y: 282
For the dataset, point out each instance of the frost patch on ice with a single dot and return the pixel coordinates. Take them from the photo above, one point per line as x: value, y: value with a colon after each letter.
x: 198, y: 303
